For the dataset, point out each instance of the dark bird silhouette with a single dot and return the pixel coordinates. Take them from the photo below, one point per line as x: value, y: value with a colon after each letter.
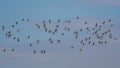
x: 55, y: 30
x: 28, y: 37
x: 18, y: 30
x: 69, y: 21
x: 96, y: 25
x: 80, y: 30
x: 37, y: 41
x: 38, y: 26
x: 81, y: 49
x: 49, y: 31
x: 58, y: 21
x: 43, y: 21
x: 93, y: 43
x: 49, y: 21
x: 4, y: 50
x: 77, y: 17
x: 72, y: 47
x: 14, y: 38
x: 3, y: 27
x: 34, y: 52
x: 50, y: 39
x: 111, y: 25
x: 23, y: 19
x: 30, y: 44
x: 103, y: 23
x: 13, y: 26
x: 62, y: 33
x: 43, y: 51
x: 13, y: 50
x: 46, y: 30
x: 57, y: 26
x: 68, y: 29
x: 105, y: 42
x: 16, y: 23
x: 85, y: 22
x: 28, y: 20
x: 109, y: 20
x: 58, y: 41
x: 18, y: 40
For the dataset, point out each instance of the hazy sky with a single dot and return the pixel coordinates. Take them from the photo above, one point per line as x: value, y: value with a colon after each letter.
x: 59, y: 56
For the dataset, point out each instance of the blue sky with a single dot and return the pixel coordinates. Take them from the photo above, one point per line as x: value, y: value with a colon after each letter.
x: 58, y: 56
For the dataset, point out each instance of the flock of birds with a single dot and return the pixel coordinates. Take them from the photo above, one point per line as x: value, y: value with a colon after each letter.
x: 97, y: 31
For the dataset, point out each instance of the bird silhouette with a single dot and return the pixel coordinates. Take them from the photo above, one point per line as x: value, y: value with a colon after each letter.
x: 3, y: 27
x: 4, y: 50
x: 13, y: 50
x: 34, y: 51
x: 81, y: 49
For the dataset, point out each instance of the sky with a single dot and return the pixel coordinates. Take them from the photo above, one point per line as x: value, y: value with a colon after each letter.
x: 58, y: 55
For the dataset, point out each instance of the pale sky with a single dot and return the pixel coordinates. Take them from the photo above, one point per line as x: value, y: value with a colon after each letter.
x: 58, y: 55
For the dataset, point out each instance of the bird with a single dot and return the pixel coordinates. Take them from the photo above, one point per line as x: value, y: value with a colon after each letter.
x: 105, y: 42
x: 109, y: 20
x: 103, y: 22
x: 85, y: 22
x: 30, y: 44
x: 68, y: 29
x: 81, y: 49
x: 18, y: 40
x: 62, y: 34
x: 111, y: 25
x: 13, y: 26
x: 34, y: 51
x: 69, y: 21
x: 77, y: 17
x: 44, y: 51
x: 51, y: 41
x: 58, y: 41
x: 13, y: 50
x: 4, y: 50
x: 55, y: 30
x: 23, y: 19
x: 46, y: 30
x: 58, y: 21
x: 43, y: 21
x: 38, y: 26
x: 14, y: 38
x: 28, y: 37
x: 57, y: 26
x: 72, y: 47
x: 115, y: 38
x: 16, y: 23
x: 93, y: 43
x: 80, y: 30
x: 18, y: 30
x: 37, y: 41
x: 49, y: 21
x: 83, y: 43
x: 28, y: 20
x: 96, y: 25
x: 49, y: 31
x: 3, y: 27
